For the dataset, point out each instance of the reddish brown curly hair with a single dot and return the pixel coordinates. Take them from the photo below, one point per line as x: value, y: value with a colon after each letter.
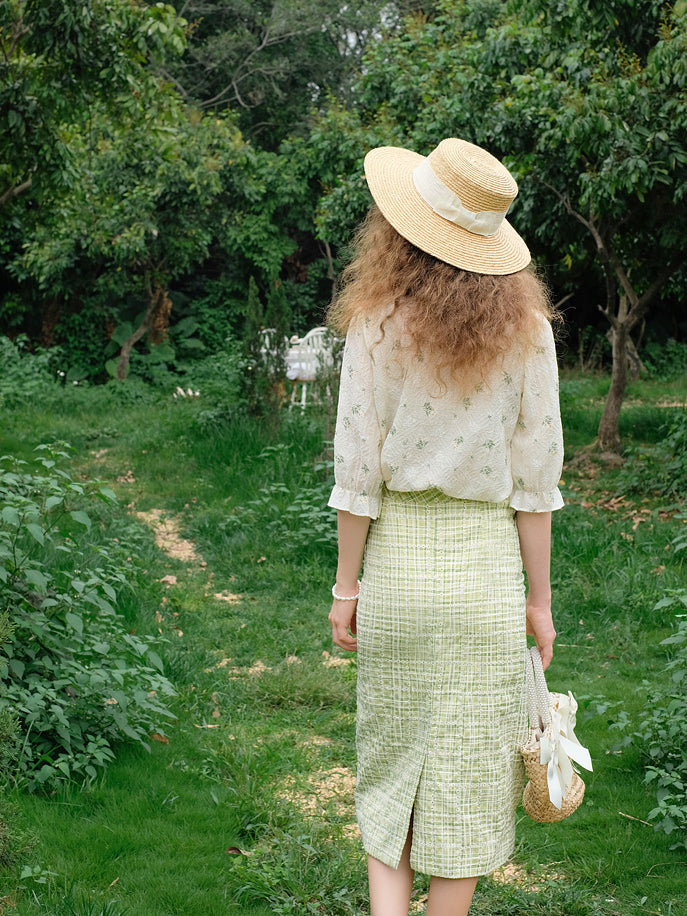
x: 462, y: 321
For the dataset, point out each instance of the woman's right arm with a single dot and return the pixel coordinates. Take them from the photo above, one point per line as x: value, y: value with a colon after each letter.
x: 352, y: 536
x: 534, y: 531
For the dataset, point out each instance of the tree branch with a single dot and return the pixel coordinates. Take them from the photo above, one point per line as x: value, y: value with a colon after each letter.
x: 602, y: 248
x: 18, y: 189
x: 17, y: 34
x: 174, y: 81
x: 563, y: 300
x: 642, y: 304
x: 243, y: 71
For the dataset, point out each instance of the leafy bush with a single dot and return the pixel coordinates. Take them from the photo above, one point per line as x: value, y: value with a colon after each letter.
x: 665, y: 361
x: 74, y: 678
x: 24, y: 375
x: 299, y: 521
x: 661, y: 468
x: 663, y: 735
x: 219, y: 377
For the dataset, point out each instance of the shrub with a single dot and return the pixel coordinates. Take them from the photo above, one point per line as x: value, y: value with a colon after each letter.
x: 24, y: 375
x: 220, y: 377
x: 662, y: 735
x: 294, y: 517
x: 74, y: 678
x: 665, y: 361
x: 661, y: 468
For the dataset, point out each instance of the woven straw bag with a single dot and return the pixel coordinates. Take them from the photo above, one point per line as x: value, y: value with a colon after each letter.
x: 554, y: 789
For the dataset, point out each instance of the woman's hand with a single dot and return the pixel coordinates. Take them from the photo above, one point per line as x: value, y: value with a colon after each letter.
x: 342, y: 619
x: 540, y: 625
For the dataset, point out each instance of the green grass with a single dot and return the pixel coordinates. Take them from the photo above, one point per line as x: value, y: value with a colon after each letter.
x: 247, y: 809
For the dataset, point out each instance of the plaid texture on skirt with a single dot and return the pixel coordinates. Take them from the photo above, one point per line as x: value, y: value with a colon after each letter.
x: 442, y: 709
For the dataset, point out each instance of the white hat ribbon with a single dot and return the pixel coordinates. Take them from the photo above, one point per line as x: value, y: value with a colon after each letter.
x: 448, y: 205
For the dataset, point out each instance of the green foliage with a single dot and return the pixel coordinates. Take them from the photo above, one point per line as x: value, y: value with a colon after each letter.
x: 661, y: 468
x: 74, y: 678
x: 294, y: 878
x: 57, y: 57
x: 299, y: 522
x: 665, y: 361
x: 25, y: 375
x: 662, y: 734
x: 264, y: 347
x: 220, y: 380
x: 272, y: 62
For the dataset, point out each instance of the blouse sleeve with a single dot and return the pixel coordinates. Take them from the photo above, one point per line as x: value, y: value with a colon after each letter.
x: 358, y: 439
x: 537, y: 444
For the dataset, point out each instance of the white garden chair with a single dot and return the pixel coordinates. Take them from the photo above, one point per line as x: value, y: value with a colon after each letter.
x: 311, y: 355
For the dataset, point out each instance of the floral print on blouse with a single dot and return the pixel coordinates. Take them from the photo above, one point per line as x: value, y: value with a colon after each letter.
x: 396, y: 426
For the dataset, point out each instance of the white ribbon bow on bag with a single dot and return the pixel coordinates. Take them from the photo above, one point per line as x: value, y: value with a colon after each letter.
x: 560, y: 745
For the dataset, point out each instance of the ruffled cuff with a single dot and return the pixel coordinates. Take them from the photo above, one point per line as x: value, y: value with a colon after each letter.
x: 527, y: 501
x: 355, y: 503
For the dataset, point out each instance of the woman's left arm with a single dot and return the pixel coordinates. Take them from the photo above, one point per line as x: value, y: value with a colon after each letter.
x: 352, y: 531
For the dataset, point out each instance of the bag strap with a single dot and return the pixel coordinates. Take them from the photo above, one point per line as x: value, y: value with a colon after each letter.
x: 538, y: 701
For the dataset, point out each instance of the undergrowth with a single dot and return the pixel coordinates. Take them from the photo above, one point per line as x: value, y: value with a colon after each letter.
x: 660, y: 468
x: 74, y: 678
x: 662, y: 734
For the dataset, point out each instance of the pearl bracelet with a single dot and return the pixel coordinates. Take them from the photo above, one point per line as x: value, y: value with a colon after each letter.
x: 345, y: 597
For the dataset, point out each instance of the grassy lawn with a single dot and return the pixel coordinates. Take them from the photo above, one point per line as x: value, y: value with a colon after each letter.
x: 247, y: 806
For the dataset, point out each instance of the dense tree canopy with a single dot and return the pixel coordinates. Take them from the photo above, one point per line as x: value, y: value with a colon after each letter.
x: 168, y: 154
x: 273, y: 60
x: 589, y: 112
x: 58, y: 57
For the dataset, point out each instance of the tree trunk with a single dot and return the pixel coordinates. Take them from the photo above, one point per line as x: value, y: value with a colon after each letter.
x: 158, y: 302
x: 609, y: 427
x: 635, y: 366
x: 634, y: 361
x: 331, y: 273
x: 50, y: 318
x: 624, y: 309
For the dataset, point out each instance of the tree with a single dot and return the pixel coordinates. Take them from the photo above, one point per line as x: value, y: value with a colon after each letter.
x: 153, y: 201
x: 604, y: 136
x: 586, y: 105
x: 57, y: 58
x: 271, y: 61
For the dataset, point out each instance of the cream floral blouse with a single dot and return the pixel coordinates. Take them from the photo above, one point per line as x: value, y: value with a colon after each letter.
x: 396, y: 426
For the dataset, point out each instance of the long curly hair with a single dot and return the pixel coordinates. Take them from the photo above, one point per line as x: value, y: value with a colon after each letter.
x: 460, y: 321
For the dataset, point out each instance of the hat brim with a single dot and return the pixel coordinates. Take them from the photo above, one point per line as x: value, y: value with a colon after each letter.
x: 389, y: 173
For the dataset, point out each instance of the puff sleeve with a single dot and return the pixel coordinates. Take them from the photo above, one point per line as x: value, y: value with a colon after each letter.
x: 358, y: 439
x: 537, y: 444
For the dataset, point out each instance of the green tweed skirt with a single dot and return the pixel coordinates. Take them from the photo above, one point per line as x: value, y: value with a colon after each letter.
x: 441, y: 684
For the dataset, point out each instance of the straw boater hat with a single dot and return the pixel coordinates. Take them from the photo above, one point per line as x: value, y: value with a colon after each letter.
x: 451, y: 204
